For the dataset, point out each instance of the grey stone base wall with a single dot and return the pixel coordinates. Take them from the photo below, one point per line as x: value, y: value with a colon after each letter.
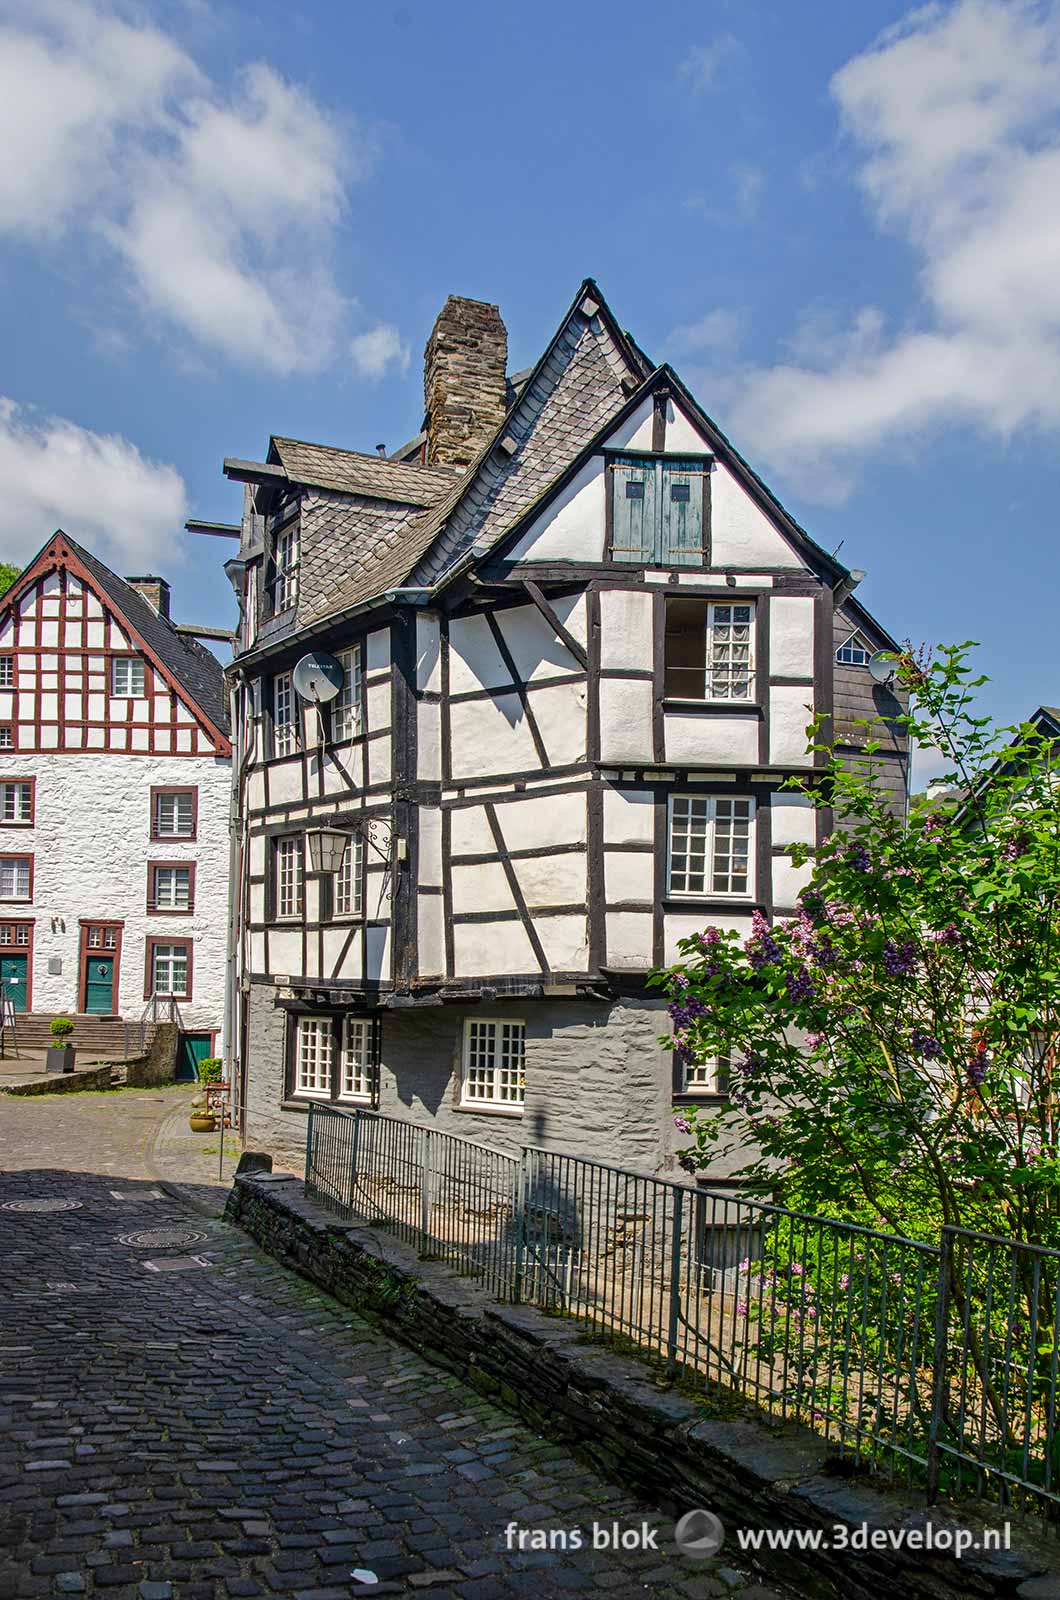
x: 598, y: 1082
x: 749, y: 1471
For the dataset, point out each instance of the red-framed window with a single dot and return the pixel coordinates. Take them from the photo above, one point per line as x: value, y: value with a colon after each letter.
x: 174, y: 812
x: 18, y: 802
x: 170, y: 888
x: 16, y: 878
x: 168, y: 969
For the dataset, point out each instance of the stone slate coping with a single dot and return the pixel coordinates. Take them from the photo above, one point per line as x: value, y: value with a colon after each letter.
x: 752, y: 1472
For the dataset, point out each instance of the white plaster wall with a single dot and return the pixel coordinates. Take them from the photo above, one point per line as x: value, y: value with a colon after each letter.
x: 474, y: 660
x: 626, y: 629
x: 535, y: 649
x: 552, y: 880
x: 532, y: 823
x: 430, y: 865
x: 696, y: 741
x: 572, y: 527
x: 741, y: 534
x: 791, y: 636
x: 789, y: 881
x: 625, y: 720
x: 565, y: 941
x: 431, y: 930
x: 491, y: 736
x: 483, y: 887
x: 790, y: 711
x: 629, y: 816
x: 91, y: 842
x: 428, y: 740
x: 470, y: 833
x: 559, y: 712
x: 794, y: 819
x: 682, y: 924
x: 629, y: 875
x: 635, y: 433
x: 681, y: 433
x: 484, y: 948
x: 428, y: 651
x: 629, y: 940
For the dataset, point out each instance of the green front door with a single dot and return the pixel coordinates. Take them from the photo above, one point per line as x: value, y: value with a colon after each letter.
x: 194, y: 1047
x: 99, y: 985
x: 13, y: 978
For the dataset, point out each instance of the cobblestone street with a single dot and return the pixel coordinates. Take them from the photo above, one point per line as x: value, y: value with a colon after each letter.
x: 181, y: 1417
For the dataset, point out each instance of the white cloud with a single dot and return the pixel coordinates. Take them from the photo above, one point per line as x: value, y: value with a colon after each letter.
x: 956, y: 112
x: 222, y: 207
x: 704, y: 61
x: 97, y: 487
x: 718, y: 333
x: 373, y: 352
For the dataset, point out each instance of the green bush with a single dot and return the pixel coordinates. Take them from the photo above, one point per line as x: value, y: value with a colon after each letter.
x: 60, y: 1031
x: 211, y: 1069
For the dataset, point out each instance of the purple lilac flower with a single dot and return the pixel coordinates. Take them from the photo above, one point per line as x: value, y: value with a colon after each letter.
x: 800, y: 985
x: 709, y: 936
x: 924, y: 1044
x: 682, y: 1125
x: 977, y: 1069
x: 859, y: 858
x: 899, y: 959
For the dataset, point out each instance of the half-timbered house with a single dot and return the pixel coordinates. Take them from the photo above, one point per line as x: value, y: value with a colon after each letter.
x: 580, y: 643
x: 115, y: 781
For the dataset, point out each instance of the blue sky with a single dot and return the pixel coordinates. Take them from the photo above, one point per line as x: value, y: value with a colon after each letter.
x: 840, y: 223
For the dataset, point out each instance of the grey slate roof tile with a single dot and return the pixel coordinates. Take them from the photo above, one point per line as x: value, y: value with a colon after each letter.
x: 327, y: 467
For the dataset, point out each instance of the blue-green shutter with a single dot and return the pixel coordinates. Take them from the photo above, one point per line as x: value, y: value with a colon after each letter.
x: 681, y: 513
x: 634, y: 510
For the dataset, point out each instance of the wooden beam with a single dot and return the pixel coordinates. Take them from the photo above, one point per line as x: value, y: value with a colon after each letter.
x: 563, y: 633
x: 219, y: 530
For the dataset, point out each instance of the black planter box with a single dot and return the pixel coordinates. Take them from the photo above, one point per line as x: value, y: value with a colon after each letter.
x: 59, y: 1060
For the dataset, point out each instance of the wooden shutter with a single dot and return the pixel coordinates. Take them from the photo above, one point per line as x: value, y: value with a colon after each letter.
x: 681, y: 513
x: 634, y: 510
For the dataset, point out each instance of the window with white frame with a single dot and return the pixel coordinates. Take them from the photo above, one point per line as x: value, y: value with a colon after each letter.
x: 16, y: 802
x: 15, y: 934
x: 706, y: 1077
x: 127, y: 677
x: 708, y: 650
x: 493, y: 1063
x: 170, y: 888
x: 284, y: 715
x: 729, y: 652
x: 347, y: 883
x: 170, y: 970
x: 7, y: 736
x: 313, y: 1045
x: 357, y: 1081
x: 7, y: 672
x: 346, y: 707
x: 101, y: 938
x: 285, y: 587
x: 290, y: 864
x: 711, y: 840
x: 854, y: 652
x: 15, y: 877
x: 174, y: 814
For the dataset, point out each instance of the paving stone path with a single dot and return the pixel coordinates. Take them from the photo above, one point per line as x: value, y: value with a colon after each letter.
x: 180, y: 1417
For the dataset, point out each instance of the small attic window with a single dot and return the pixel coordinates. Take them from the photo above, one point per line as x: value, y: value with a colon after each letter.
x: 635, y: 489
x: 855, y: 652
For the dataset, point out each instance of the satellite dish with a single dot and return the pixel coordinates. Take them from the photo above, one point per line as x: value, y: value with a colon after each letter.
x: 317, y: 677
x: 880, y: 666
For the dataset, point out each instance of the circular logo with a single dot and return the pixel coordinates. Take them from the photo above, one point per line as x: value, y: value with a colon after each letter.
x: 699, y: 1534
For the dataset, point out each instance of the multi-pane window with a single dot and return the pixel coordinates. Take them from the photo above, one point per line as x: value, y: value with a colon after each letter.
x: 169, y: 970
x: 493, y: 1063
x: 314, y: 1041
x: 16, y: 802
x: 706, y: 1077
x: 657, y: 509
x: 709, y: 650
x: 284, y: 715
x: 358, y: 1066
x: 729, y: 652
x: 170, y: 888
x: 285, y: 586
x: 7, y: 672
x: 7, y: 736
x: 347, y: 898
x: 173, y: 814
x: 127, y: 677
x: 346, y: 707
x: 854, y: 652
x: 15, y: 877
x: 290, y: 865
x: 102, y: 938
x: 710, y: 845
x: 14, y: 933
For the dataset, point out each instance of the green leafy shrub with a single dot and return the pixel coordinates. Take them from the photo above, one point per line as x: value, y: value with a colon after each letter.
x: 211, y: 1069
x: 60, y: 1030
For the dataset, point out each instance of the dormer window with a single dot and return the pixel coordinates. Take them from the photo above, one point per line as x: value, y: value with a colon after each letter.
x: 657, y: 509
x: 854, y: 652
x: 285, y: 586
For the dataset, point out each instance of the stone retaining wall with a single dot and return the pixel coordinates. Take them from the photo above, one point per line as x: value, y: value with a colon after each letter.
x: 657, y: 1442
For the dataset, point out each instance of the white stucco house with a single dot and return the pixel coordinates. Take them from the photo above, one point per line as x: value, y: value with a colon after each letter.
x: 115, y: 773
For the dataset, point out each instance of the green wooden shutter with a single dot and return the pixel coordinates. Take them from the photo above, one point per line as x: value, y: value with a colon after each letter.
x: 681, y: 513
x: 634, y: 510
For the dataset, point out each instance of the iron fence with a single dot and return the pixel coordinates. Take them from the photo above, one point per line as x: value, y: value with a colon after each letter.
x: 935, y: 1362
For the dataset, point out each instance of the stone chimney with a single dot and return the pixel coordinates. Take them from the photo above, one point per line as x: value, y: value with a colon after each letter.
x: 463, y: 380
x: 154, y: 590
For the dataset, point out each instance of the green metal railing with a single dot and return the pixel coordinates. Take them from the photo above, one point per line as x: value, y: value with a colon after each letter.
x: 938, y: 1363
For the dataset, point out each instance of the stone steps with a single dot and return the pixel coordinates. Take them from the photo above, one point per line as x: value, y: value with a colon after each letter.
x: 97, y: 1038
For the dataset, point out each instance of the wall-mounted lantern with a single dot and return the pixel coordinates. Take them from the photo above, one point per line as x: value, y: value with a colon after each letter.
x: 327, y: 850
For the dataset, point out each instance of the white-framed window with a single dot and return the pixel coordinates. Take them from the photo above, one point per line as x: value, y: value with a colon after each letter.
x: 16, y: 877
x: 127, y: 677
x: 705, y: 1077
x: 358, y: 1067
x: 347, y: 883
x: 290, y: 870
x: 7, y: 736
x: 730, y: 651
x: 346, y: 707
x: 313, y: 1045
x: 171, y: 889
x: 174, y: 814
x: 14, y: 933
x: 169, y: 970
x: 711, y: 845
x: 493, y: 1063
x: 854, y: 652
x: 16, y: 802
x: 284, y: 715
x: 102, y: 939
x: 7, y: 672
x: 286, y: 584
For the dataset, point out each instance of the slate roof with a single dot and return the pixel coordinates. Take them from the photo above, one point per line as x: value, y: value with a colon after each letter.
x: 324, y: 466
x: 196, y: 670
x: 352, y: 549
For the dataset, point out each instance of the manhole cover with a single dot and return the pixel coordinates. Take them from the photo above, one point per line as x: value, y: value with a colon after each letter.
x: 175, y: 1263
x: 42, y: 1205
x: 161, y: 1239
